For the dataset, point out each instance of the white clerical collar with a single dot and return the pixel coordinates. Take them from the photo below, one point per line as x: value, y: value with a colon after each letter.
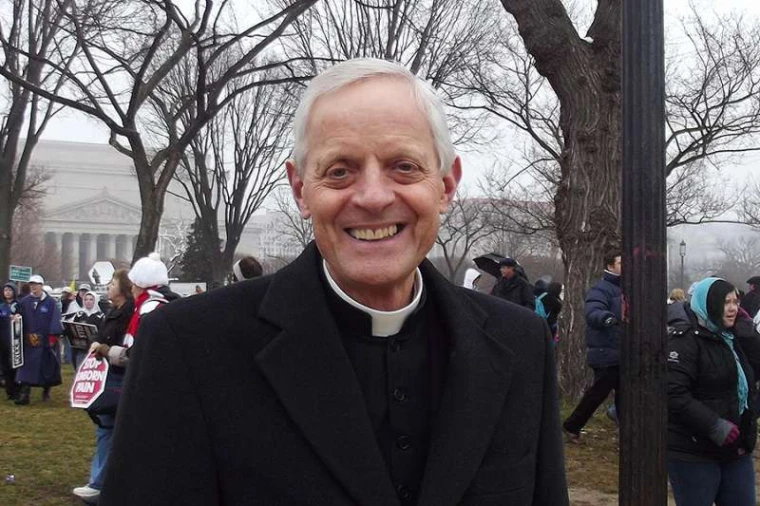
x: 384, y: 323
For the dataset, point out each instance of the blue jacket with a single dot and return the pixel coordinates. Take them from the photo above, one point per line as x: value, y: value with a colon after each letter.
x: 7, y: 309
x: 603, y: 301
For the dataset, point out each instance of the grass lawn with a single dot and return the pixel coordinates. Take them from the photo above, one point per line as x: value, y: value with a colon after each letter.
x: 46, y: 446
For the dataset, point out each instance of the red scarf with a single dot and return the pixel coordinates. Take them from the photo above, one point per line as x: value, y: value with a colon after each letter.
x: 135, y: 320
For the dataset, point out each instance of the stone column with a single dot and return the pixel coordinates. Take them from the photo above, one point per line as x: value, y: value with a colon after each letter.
x: 110, y: 246
x: 76, y: 261
x: 92, y: 253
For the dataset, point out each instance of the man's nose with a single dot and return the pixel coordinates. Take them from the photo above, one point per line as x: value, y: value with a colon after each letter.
x: 374, y: 189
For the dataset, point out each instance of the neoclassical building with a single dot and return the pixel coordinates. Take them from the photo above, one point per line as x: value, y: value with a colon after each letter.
x: 101, y: 227
x: 92, y: 209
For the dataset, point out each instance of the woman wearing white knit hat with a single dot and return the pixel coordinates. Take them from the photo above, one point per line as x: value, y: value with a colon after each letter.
x: 147, y: 276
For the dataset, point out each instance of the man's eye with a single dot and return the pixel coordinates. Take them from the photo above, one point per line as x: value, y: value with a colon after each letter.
x: 337, y: 173
x: 406, y: 167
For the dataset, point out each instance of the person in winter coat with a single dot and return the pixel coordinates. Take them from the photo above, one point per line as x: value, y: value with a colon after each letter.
x: 148, y: 275
x: 42, y: 355
x: 553, y: 305
x: 246, y: 268
x: 67, y: 297
x: 751, y: 300
x: 513, y: 287
x: 603, y: 333
x: 90, y: 314
x: 471, y: 279
x: 8, y: 307
x: 712, y: 414
x: 111, y: 332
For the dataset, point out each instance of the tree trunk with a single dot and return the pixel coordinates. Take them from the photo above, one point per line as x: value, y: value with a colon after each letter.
x: 150, y: 224
x: 586, y: 77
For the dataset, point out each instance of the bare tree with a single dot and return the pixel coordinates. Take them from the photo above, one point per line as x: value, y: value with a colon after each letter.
x: 32, y: 31
x: 172, y: 243
x: 562, y: 91
x: 235, y: 164
x: 740, y: 261
x: 129, y: 51
x: 292, y: 227
x: 463, y: 227
x: 435, y: 39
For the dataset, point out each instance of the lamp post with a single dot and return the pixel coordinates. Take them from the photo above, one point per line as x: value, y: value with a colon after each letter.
x: 682, y: 252
x: 643, y: 370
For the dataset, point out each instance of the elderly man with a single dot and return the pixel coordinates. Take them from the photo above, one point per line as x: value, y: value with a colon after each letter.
x: 357, y: 374
x: 41, y: 320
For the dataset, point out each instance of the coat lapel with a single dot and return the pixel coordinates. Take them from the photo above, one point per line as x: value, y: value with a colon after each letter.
x: 310, y: 371
x: 477, y: 381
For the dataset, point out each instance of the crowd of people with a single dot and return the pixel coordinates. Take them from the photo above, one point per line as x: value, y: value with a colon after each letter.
x: 130, y: 295
x: 713, y: 368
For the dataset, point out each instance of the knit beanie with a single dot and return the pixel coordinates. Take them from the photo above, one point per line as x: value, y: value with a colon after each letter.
x: 149, y: 271
x: 716, y: 300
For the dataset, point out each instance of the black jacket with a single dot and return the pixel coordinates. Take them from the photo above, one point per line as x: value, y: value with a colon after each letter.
x: 245, y: 395
x: 553, y: 306
x: 515, y: 289
x: 702, y: 380
x: 603, y: 301
x: 114, y: 325
x: 751, y: 302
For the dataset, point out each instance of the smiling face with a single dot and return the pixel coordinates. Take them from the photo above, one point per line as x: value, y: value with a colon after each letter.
x: 372, y: 186
x: 730, y: 310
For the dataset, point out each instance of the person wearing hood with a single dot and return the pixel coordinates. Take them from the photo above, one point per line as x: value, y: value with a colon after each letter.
x: 712, y: 415
x: 8, y: 307
x: 246, y: 268
x: 751, y: 300
x: 471, y: 279
x: 91, y: 314
x: 42, y: 356
x: 553, y: 305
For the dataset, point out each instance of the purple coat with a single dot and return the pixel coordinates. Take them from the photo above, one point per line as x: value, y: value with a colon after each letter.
x: 42, y: 362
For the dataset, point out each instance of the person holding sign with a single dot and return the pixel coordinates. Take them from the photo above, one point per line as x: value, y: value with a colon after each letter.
x: 357, y: 374
x: 42, y: 355
x: 8, y: 307
x: 89, y: 314
x: 111, y: 333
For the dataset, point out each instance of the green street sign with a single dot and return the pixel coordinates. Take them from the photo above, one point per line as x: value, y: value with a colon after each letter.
x: 20, y: 273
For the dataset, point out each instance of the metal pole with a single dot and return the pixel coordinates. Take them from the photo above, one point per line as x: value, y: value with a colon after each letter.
x: 643, y: 410
x: 682, y: 279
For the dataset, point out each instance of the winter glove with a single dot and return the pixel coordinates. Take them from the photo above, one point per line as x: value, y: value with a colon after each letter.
x: 724, y: 433
x: 610, y: 321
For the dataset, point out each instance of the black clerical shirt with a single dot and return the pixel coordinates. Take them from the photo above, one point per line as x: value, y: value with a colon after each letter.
x: 402, y: 378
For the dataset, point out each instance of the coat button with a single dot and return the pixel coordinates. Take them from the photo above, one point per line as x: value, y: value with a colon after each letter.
x: 394, y: 344
x: 399, y: 395
x: 403, y: 442
x: 403, y: 492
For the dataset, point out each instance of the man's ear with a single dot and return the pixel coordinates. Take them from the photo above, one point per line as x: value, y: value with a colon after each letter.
x: 296, y: 187
x: 450, y: 183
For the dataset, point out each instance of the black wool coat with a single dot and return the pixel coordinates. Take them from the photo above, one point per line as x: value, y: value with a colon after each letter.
x: 245, y: 396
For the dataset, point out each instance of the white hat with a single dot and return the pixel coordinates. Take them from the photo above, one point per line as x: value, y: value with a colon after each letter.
x: 84, y: 286
x: 149, y: 271
x: 36, y: 279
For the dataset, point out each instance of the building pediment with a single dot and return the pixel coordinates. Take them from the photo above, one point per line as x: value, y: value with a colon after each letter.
x: 103, y: 208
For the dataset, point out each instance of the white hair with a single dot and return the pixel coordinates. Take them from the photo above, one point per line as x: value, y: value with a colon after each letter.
x: 348, y: 72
